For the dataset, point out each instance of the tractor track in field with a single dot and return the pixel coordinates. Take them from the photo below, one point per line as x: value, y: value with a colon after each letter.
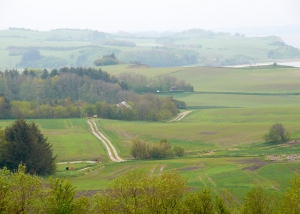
x: 180, y: 116
x: 111, y: 150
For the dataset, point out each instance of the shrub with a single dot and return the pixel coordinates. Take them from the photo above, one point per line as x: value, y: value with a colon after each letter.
x: 277, y: 134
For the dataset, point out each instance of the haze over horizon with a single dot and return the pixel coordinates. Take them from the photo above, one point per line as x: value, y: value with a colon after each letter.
x: 248, y: 17
x: 155, y: 15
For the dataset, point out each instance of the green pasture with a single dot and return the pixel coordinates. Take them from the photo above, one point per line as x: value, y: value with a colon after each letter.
x: 264, y: 80
x: 239, y: 100
x: 267, y: 79
x: 149, y: 72
x: 207, y: 128
x: 219, y: 145
x: 228, y: 46
x: 234, y: 174
x: 71, y: 139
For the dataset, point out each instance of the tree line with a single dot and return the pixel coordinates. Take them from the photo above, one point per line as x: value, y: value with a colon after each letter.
x: 77, y: 92
x: 137, y: 192
x: 140, y: 83
x: 148, y: 107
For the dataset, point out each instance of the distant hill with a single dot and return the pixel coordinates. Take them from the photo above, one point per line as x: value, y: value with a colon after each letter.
x: 76, y: 47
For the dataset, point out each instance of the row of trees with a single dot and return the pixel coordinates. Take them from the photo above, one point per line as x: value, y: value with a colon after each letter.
x: 140, y: 83
x: 148, y: 107
x: 143, y: 150
x: 137, y: 192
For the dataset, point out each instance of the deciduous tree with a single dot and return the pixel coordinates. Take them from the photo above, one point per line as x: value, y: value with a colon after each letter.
x: 277, y: 134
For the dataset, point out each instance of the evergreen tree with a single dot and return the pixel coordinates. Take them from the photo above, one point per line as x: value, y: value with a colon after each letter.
x: 24, y: 143
x: 5, y: 107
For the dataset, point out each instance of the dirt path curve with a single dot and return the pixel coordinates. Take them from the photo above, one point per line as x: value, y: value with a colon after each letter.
x: 112, y: 152
x: 180, y: 116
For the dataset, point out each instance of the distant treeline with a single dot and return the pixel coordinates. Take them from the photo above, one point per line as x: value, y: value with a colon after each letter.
x: 121, y: 43
x: 77, y: 92
x: 166, y: 57
x: 140, y: 83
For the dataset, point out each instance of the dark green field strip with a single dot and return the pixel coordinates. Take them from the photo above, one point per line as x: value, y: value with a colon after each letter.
x: 248, y: 93
x: 182, y: 93
x: 51, y: 47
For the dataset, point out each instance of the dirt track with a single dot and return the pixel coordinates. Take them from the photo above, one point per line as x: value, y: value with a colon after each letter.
x: 180, y: 116
x: 112, y: 152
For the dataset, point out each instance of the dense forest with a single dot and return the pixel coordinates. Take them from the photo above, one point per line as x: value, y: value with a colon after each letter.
x: 79, y: 92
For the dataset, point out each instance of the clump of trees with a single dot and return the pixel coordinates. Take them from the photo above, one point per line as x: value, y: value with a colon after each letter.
x: 108, y: 59
x: 22, y: 142
x: 136, y: 192
x: 33, y: 58
x: 143, y: 150
x: 277, y: 134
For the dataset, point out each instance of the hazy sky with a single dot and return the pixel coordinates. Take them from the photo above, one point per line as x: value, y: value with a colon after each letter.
x: 147, y: 15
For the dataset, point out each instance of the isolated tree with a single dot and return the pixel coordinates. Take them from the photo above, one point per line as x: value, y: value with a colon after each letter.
x: 277, y: 134
x: 24, y: 143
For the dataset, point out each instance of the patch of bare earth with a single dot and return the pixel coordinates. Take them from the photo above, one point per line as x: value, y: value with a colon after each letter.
x: 161, y: 168
x: 138, y: 66
x: 208, y: 133
x: 188, y: 168
x: 153, y: 169
x: 256, y: 163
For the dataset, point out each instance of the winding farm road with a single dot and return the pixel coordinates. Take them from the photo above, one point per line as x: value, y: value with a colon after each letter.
x: 180, y: 116
x: 112, y: 152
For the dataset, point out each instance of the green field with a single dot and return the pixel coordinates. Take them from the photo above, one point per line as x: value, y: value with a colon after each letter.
x: 221, y: 152
x: 223, y: 135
